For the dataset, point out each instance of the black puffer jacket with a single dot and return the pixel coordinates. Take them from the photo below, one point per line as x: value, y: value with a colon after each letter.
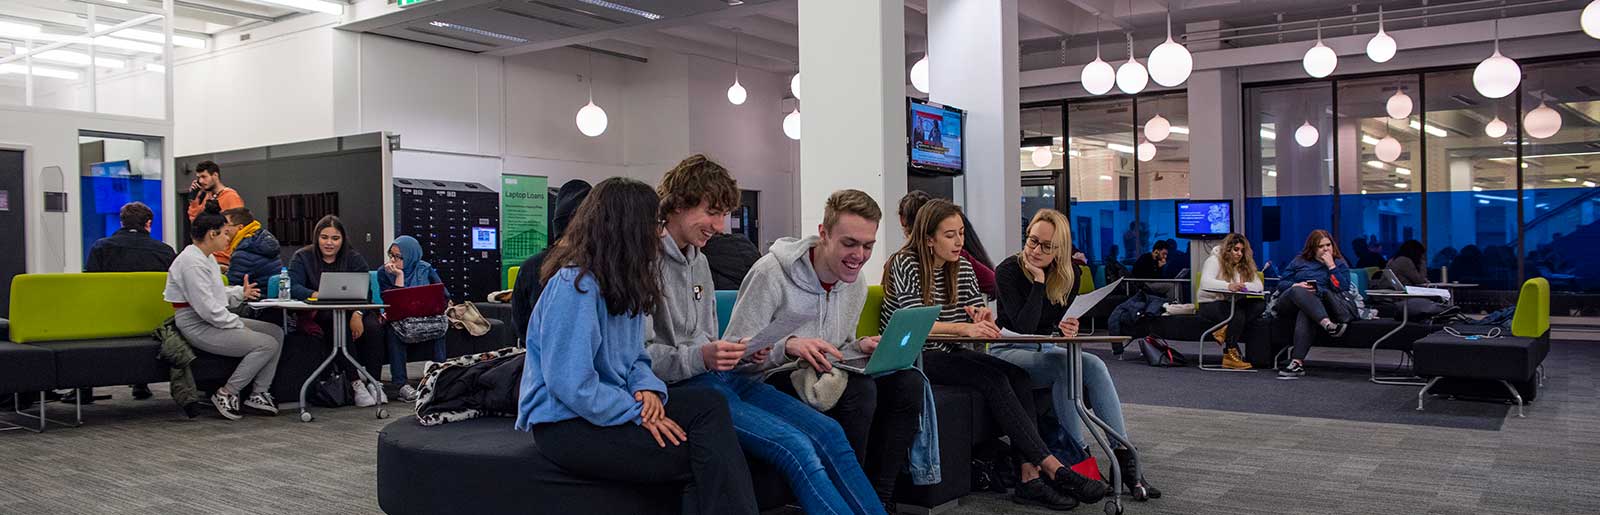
x: 730, y: 257
x: 525, y: 292
x: 1130, y: 317
x: 256, y: 256
x: 468, y: 387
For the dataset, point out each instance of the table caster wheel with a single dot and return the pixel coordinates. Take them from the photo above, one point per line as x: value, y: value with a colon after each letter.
x: 305, y: 416
x: 1113, y: 508
x: 383, y: 413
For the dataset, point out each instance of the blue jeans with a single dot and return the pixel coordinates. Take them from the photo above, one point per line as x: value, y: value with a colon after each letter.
x: 808, y: 446
x: 1053, y: 366
x: 398, y: 358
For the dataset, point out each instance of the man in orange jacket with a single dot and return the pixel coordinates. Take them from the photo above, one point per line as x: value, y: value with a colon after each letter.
x: 206, y: 187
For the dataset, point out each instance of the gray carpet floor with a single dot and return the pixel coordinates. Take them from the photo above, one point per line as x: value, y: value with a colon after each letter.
x: 142, y: 457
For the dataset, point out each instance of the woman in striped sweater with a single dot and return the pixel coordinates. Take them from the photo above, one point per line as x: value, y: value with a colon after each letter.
x: 929, y: 271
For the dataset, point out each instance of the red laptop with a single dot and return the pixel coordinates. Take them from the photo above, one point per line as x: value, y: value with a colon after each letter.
x: 415, y: 301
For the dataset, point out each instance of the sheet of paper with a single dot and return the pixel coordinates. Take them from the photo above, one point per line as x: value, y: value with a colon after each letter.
x: 1011, y: 334
x: 1439, y: 292
x: 783, y: 327
x: 1087, y: 301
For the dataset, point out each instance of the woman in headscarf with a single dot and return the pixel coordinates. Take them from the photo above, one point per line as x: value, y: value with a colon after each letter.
x: 404, y: 269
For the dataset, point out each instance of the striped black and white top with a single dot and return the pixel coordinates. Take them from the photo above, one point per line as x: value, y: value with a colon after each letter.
x: 904, y: 290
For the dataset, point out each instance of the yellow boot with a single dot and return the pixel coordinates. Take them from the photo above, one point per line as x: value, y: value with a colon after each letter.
x: 1230, y: 359
x: 1220, y: 335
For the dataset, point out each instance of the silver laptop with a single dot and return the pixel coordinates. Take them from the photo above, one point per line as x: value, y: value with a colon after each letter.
x: 343, y: 288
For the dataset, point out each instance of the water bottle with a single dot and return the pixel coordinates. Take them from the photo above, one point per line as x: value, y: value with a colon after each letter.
x: 284, y: 285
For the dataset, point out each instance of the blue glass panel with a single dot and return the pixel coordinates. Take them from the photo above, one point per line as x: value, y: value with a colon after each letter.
x: 1277, y: 226
x: 1104, y: 229
x: 1464, y: 228
x: 102, y: 200
x: 1562, y: 237
x: 1380, y: 222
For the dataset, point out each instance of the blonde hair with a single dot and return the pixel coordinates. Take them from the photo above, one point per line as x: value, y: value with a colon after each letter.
x: 855, y: 202
x: 1243, y: 270
x: 1061, y: 275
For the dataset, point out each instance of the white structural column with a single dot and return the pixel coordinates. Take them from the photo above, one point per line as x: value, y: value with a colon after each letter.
x: 1215, y: 157
x: 852, y: 105
x: 972, y: 57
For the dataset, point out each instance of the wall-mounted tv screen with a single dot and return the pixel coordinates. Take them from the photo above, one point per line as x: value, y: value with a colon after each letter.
x: 935, y: 135
x: 1204, y: 219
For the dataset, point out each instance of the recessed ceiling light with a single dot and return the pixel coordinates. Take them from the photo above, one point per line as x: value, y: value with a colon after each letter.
x: 623, y: 8
x: 72, y: 58
x: 477, y: 31
x: 153, y: 37
x: 321, y: 6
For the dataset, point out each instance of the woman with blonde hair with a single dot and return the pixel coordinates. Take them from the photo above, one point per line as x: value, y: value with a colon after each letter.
x: 1231, y: 266
x: 1036, y: 286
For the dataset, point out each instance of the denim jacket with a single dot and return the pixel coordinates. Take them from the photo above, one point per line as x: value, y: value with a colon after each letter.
x: 924, y: 462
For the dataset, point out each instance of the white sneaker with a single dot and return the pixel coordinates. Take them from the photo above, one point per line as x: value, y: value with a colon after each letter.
x: 262, y: 403
x: 408, y: 394
x: 363, y: 395
x: 377, y: 392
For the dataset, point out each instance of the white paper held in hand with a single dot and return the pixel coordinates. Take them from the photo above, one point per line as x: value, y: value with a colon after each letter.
x: 1088, y: 301
x: 782, y: 327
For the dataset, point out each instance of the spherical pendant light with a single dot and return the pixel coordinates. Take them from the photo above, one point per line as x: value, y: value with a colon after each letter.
x: 1496, y: 128
x: 1320, y: 60
x: 1157, y: 129
x: 1591, y: 19
x: 736, y: 93
x: 1542, y: 122
x: 1306, y: 135
x: 592, y: 120
x: 1147, y: 151
x: 919, y: 74
x: 1098, y: 77
x: 794, y: 85
x: 1170, y: 62
x: 1131, y: 77
x: 1498, y: 75
x: 1399, y: 106
x: 1381, y: 48
x: 791, y: 125
x: 1388, y: 149
x: 1041, y: 157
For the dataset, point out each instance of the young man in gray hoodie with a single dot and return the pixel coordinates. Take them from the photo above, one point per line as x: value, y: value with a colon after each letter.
x: 810, y: 449
x: 816, y: 278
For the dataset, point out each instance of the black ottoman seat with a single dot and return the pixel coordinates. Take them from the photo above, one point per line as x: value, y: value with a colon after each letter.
x: 484, y: 466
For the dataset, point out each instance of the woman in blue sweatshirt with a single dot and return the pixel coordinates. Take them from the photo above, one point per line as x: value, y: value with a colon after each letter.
x: 588, y: 393
x: 1311, y: 292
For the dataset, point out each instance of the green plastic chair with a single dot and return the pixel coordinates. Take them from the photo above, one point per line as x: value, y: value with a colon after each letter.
x: 725, y: 301
x: 871, y: 313
x: 1532, y: 318
x: 511, y: 277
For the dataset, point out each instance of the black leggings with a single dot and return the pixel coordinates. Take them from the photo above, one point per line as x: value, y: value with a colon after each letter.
x: 1005, y: 388
x: 711, y: 461
x: 880, y: 418
x: 1246, y: 312
x: 1309, y: 308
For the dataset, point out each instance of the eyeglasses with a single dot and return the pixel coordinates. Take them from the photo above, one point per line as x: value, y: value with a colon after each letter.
x: 1034, y: 243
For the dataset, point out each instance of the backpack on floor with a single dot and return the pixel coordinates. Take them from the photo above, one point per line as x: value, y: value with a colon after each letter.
x: 1157, y: 353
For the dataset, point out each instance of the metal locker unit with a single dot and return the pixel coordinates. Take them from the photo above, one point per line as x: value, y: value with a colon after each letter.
x: 458, y: 225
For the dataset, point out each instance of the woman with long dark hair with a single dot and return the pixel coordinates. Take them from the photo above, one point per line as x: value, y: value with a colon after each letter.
x: 1311, y: 292
x: 203, y: 304
x: 1231, y: 266
x: 588, y: 393
x: 1409, y: 263
x: 332, y: 253
x: 929, y: 271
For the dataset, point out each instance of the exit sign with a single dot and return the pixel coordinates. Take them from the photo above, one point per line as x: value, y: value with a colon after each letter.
x: 408, y: 3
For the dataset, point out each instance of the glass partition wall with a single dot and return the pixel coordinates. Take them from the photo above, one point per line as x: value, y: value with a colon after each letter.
x: 1497, y: 190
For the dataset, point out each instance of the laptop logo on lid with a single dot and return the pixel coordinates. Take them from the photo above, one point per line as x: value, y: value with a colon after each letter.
x: 905, y: 340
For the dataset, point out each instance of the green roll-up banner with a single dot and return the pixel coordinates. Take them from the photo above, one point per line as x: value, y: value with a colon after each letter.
x: 524, y: 223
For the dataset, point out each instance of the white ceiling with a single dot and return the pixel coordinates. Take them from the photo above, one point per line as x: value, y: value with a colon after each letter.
x: 1052, y: 32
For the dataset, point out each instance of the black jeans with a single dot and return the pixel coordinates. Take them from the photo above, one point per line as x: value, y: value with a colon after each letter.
x: 1245, y: 314
x: 1308, y: 308
x: 879, y: 417
x: 1005, y: 388
x: 711, y: 461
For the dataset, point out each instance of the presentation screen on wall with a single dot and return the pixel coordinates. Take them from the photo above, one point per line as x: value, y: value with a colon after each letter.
x: 485, y: 238
x: 935, y: 133
x: 1204, y: 219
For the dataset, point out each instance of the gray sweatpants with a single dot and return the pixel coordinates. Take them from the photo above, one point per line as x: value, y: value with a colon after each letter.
x: 259, y: 343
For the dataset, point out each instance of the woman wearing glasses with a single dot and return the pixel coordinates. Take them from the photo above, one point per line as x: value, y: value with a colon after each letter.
x: 1035, y: 289
x: 1312, y: 293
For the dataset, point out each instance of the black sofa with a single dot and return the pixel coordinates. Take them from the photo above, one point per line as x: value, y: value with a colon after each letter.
x: 1279, y: 334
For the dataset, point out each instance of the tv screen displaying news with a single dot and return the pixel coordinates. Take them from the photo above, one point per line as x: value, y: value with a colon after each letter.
x: 1204, y: 219
x: 485, y: 238
x: 935, y: 132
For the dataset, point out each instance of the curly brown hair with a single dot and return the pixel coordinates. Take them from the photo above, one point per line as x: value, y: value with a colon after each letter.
x: 697, y: 179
